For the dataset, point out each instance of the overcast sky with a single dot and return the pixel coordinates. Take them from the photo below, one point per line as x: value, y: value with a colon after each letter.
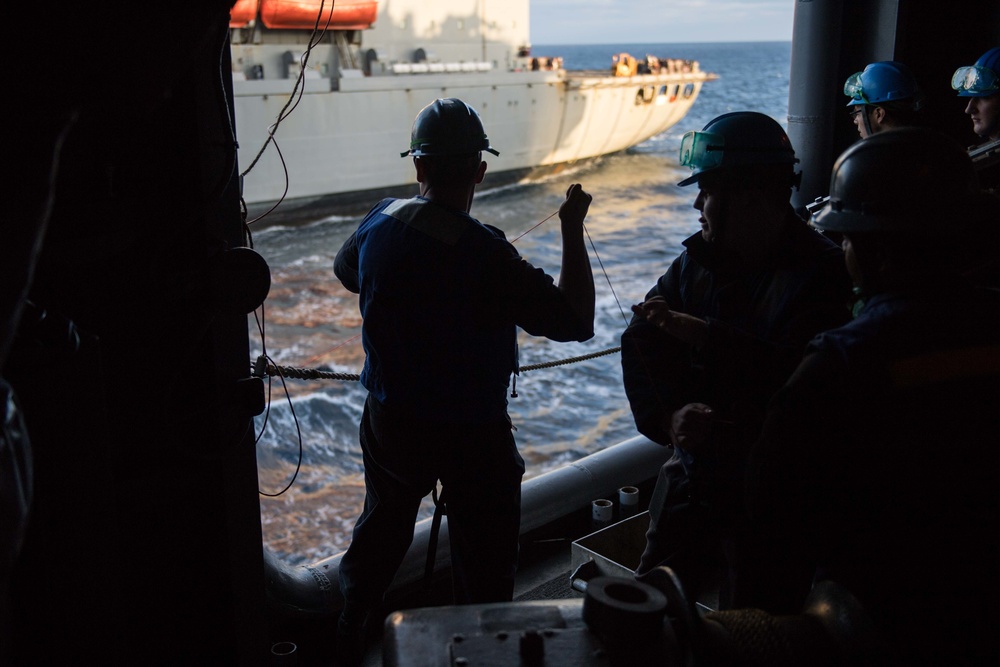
x: 660, y: 21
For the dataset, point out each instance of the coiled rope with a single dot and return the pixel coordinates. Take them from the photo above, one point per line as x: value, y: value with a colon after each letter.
x: 263, y: 368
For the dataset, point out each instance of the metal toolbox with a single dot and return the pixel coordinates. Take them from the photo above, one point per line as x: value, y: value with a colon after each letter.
x: 613, y: 551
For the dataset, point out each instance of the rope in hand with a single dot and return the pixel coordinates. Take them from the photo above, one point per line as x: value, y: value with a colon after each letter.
x: 263, y: 368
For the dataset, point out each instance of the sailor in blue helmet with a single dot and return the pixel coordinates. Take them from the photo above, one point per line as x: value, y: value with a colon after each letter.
x: 878, y: 467
x: 718, y: 333
x: 441, y: 296
x: 981, y: 84
x: 885, y: 95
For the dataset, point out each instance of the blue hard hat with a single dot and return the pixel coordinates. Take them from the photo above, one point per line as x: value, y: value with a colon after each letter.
x: 881, y: 82
x: 981, y: 79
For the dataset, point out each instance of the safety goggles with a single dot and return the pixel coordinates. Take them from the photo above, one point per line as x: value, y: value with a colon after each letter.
x: 702, y: 150
x: 854, y: 89
x: 975, y: 79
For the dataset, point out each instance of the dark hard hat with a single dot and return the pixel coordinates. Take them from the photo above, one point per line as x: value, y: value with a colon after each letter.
x: 910, y: 180
x: 448, y: 127
x: 736, y: 140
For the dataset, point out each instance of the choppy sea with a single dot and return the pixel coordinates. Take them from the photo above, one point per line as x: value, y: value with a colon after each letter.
x: 636, y: 223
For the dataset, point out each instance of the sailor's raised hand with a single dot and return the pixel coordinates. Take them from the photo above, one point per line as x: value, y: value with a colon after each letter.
x: 575, y: 208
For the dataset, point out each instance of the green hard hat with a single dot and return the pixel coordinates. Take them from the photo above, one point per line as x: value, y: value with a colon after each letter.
x: 736, y: 140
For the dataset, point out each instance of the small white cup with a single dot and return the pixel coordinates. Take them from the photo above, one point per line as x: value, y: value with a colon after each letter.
x: 628, y: 501
x: 602, y: 512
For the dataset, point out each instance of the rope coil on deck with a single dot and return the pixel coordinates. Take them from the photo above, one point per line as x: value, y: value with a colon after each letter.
x: 263, y: 368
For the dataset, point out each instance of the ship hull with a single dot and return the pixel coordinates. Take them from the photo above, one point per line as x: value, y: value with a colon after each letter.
x: 341, y: 148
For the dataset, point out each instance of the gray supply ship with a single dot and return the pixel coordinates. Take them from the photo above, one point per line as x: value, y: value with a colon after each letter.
x: 335, y: 86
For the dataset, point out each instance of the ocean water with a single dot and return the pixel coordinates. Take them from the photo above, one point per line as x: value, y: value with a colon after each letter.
x: 309, y: 460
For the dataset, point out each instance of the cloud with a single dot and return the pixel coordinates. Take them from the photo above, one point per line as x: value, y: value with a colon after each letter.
x: 676, y: 21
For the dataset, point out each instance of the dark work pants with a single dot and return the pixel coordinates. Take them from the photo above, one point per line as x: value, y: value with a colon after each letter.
x: 697, y: 525
x: 480, y: 472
